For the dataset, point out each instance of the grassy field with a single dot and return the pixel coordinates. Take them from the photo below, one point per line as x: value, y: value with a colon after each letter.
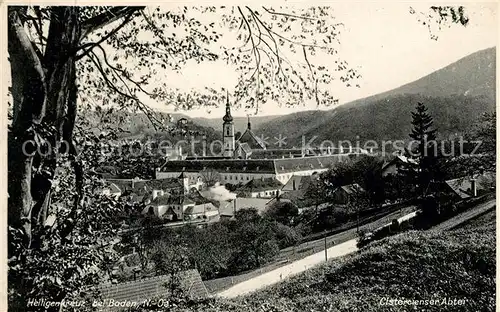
x: 432, y: 265
x: 483, y: 205
x: 486, y: 220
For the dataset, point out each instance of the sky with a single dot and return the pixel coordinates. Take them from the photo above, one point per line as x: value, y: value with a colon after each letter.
x: 384, y: 42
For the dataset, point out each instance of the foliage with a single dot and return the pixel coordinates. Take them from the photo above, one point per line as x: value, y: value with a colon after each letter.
x: 282, y: 212
x: 210, y: 177
x: 220, y: 249
x: 75, y: 245
x: 286, y: 236
x: 366, y: 171
x: 439, y: 16
x: 256, y: 240
x: 424, y: 168
x: 413, y: 265
x: 266, y: 40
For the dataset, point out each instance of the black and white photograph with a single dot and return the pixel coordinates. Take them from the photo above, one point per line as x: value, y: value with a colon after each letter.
x: 273, y: 157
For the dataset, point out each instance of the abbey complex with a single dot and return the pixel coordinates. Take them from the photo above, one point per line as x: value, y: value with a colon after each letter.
x: 246, y: 158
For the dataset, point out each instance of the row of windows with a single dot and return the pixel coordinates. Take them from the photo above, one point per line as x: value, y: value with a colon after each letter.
x: 267, y: 193
x: 236, y: 178
x: 283, y: 178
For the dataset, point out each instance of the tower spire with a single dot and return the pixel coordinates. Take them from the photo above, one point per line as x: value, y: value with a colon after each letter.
x: 227, y: 117
x: 249, y: 124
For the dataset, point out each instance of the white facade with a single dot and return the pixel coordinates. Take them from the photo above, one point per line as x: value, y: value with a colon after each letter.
x: 195, y: 179
x: 265, y: 194
x: 192, y: 179
x: 285, y: 177
x: 228, y: 139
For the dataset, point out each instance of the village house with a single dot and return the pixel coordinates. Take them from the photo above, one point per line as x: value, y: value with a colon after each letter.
x: 229, y: 208
x: 471, y: 186
x: 393, y: 166
x: 262, y: 188
x: 345, y: 194
x: 187, y: 207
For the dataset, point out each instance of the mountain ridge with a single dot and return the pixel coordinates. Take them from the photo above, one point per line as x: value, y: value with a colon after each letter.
x: 456, y: 96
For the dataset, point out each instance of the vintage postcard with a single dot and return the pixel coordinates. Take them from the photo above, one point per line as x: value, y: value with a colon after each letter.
x: 293, y: 156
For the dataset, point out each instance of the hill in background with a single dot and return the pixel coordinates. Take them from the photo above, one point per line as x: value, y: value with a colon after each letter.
x: 456, y: 96
x: 240, y: 123
x: 384, y: 119
x: 473, y: 75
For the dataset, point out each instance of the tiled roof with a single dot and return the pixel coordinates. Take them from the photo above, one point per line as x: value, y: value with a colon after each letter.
x: 399, y: 159
x: 352, y: 188
x: 224, y: 165
x: 201, y: 208
x: 462, y: 186
x: 252, y: 140
x: 163, y: 184
x: 286, y: 165
x: 196, y: 197
x: 273, y: 166
x: 258, y: 185
x: 142, y: 187
x: 299, y: 198
x: 113, y: 188
x: 179, y: 200
x: 161, y: 200
x: 245, y: 147
x: 153, y: 287
x: 276, y: 153
x: 300, y: 182
x: 299, y: 152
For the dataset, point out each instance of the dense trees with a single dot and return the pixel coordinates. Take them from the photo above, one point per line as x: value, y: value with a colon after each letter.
x: 220, y: 249
x: 283, y: 212
x: 366, y: 172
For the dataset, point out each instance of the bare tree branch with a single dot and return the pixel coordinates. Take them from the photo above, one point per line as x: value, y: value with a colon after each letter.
x: 144, y: 108
x: 91, y: 45
x: 289, y: 15
x: 312, y: 74
x: 111, y: 15
x: 123, y: 72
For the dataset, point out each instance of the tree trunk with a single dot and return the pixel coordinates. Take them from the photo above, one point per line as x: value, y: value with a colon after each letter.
x: 41, y: 91
x: 28, y: 92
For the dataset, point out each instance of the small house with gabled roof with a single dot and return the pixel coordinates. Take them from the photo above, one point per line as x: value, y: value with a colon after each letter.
x: 262, y: 188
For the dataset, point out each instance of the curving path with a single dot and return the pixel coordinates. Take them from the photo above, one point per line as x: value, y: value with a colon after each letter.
x: 275, y: 276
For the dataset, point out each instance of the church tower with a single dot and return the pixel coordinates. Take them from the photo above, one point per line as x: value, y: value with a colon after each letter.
x: 228, y: 132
